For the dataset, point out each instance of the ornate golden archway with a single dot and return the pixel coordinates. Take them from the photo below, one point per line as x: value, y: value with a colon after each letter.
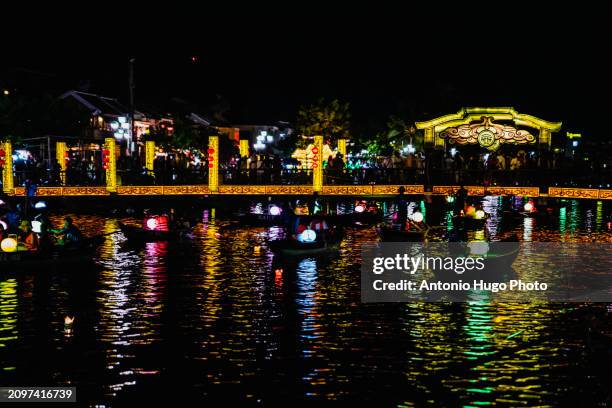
x: 478, y: 126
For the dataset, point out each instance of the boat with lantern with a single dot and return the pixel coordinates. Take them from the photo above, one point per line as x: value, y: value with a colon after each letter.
x: 415, y: 229
x: 497, y: 255
x: 531, y: 210
x: 321, y: 239
x: 274, y: 216
x: 14, y: 258
x: 140, y: 234
x: 471, y: 218
x: 364, y: 214
x: 155, y: 228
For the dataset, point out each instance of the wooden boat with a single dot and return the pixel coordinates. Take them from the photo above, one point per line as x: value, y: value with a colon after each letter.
x: 138, y: 234
x: 296, y: 248
x: 355, y: 220
x: 55, y: 257
x: 500, y: 255
x: 390, y: 234
x: 260, y: 219
x: 319, y: 246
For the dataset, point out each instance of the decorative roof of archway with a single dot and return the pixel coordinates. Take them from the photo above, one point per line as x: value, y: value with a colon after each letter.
x: 466, y: 116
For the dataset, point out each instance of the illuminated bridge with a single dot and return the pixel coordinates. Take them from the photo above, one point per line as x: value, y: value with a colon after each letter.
x: 488, y: 127
x: 295, y: 190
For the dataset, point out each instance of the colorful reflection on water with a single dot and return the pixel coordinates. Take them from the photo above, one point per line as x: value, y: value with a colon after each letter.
x: 223, y: 318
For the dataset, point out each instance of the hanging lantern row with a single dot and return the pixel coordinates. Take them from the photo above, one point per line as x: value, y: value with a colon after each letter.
x: 211, y: 158
x: 315, y: 157
x: 105, y: 158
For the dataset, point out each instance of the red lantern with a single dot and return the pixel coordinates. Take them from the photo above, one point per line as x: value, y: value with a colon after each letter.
x: 210, y: 165
x: 106, y: 158
x: 211, y: 151
x: 315, y: 150
x: 2, y: 153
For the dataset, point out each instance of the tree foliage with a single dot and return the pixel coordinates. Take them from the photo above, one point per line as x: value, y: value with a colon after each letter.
x: 23, y: 116
x: 188, y: 135
x: 330, y: 119
x: 397, y: 134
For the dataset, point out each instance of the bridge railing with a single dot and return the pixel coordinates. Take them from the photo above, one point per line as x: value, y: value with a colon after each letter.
x: 574, y: 176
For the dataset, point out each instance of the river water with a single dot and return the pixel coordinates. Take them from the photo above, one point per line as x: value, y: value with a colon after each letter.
x: 220, y: 319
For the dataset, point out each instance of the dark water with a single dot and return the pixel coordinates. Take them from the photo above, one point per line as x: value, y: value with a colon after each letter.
x: 222, y: 320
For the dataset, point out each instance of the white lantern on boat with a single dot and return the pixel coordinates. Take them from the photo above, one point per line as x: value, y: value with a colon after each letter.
x: 308, y: 236
x: 152, y: 224
x: 359, y: 208
x: 417, y: 216
x: 37, y: 226
x: 479, y: 215
x: 275, y: 210
x: 529, y: 206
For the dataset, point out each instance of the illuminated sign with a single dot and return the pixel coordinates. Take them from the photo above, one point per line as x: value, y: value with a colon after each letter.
x: 487, y: 134
x: 436, y: 129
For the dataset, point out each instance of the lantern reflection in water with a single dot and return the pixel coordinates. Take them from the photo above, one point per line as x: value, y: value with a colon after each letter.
x: 8, y: 315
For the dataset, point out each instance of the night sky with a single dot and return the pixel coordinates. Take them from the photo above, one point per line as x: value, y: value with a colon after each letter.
x: 263, y: 70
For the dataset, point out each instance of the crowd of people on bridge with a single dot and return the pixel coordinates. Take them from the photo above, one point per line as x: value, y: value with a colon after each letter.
x: 83, y: 169
x: 505, y: 166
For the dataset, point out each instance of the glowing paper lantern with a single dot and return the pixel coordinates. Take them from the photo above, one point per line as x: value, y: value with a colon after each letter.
x: 470, y: 210
x: 359, y: 208
x: 40, y: 205
x: 308, y: 236
x: 3, y: 225
x: 480, y: 214
x: 275, y: 210
x: 151, y: 223
x: 450, y: 199
x: 9, y: 244
x: 417, y: 216
x: 37, y: 226
x: 529, y: 206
